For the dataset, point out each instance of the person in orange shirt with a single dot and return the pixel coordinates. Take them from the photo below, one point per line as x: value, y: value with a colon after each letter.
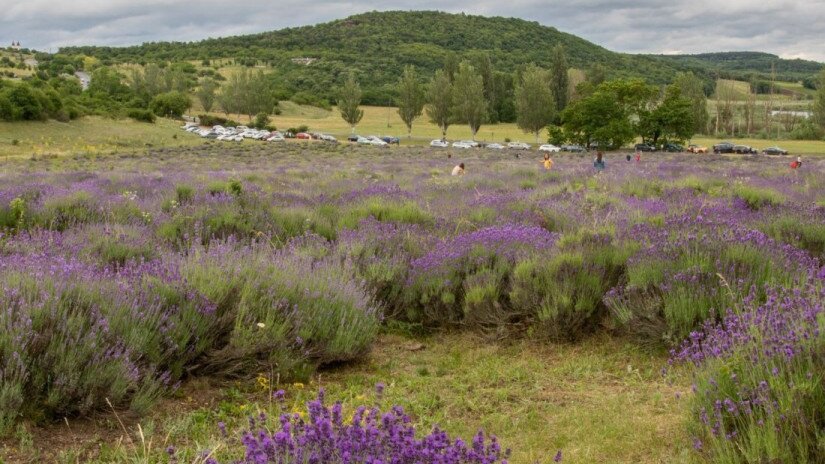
x: 548, y: 163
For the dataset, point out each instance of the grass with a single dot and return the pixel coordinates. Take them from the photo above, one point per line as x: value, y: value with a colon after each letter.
x: 89, y: 135
x: 794, y: 147
x: 537, y: 398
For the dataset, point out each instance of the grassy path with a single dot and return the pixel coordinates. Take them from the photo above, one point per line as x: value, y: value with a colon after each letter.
x: 600, y: 401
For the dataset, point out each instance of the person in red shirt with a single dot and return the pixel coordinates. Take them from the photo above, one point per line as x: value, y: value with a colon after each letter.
x: 797, y: 164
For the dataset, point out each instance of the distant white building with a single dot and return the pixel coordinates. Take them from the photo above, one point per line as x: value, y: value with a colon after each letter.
x: 798, y: 114
x: 15, y: 45
x: 84, y: 78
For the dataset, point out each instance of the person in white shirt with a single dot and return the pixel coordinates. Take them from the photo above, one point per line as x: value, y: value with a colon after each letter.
x: 458, y: 170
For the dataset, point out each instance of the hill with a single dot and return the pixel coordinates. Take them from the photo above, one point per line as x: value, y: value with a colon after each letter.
x: 748, y: 65
x: 313, y: 60
x: 377, y: 45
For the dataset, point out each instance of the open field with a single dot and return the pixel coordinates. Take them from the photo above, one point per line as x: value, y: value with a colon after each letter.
x: 100, y: 136
x: 89, y: 135
x: 195, y: 282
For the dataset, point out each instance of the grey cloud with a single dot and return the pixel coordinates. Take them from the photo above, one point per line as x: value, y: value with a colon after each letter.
x: 785, y: 27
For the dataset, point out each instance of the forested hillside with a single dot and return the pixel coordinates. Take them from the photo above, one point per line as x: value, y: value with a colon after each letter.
x: 748, y: 65
x: 378, y: 46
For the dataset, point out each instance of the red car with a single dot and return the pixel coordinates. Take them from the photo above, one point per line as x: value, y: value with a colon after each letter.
x: 303, y: 136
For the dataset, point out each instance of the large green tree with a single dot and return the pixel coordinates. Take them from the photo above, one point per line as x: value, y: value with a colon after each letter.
x: 469, y: 104
x: 692, y: 88
x: 349, y: 102
x: 559, y: 79
x: 608, y: 114
x: 440, y: 101
x: 671, y: 120
x: 206, y: 93
x: 535, y: 105
x: 819, y: 102
x: 410, y: 98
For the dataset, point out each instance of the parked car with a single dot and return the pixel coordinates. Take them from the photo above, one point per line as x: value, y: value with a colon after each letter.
x: 673, y: 148
x: 744, y: 150
x: 471, y: 143
x: 573, y: 148
x: 328, y: 138
x: 392, y: 140
x: 518, y: 146
x: 376, y: 141
x: 494, y: 146
x: 353, y: 138
x: 644, y: 147
x: 363, y: 141
x: 303, y: 136
x: 276, y: 137
x: 549, y: 148
x: 460, y: 144
x: 438, y: 143
x: 774, y: 151
x: 697, y: 149
x: 723, y: 147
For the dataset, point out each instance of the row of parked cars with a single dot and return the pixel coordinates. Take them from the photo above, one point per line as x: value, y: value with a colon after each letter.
x: 239, y: 133
x: 374, y: 140
x: 721, y: 147
x: 464, y: 144
x: 729, y: 147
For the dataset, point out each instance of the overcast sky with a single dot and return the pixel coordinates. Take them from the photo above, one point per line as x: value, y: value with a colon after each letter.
x: 791, y: 29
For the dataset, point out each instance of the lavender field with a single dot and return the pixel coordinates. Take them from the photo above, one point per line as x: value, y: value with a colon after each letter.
x: 124, y: 277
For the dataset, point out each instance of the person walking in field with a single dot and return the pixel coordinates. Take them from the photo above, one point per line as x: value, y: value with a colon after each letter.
x: 458, y: 170
x: 638, y: 156
x: 598, y: 163
x: 548, y: 163
x: 797, y: 164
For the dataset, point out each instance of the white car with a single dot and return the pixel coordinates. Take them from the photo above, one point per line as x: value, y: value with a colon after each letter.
x: 275, y: 137
x: 549, y: 148
x: 328, y: 138
x: 461, y: 145
x: 518, y: 146
x: 439, y: 143
x: 494, y: 146
x: 375, y: 141
x: 471, y: 143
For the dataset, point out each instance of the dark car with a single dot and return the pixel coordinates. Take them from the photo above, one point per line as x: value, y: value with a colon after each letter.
x: 673, y: 148
x: 723, y: 147
x: 644, y: 147
x: 353, y: 138
x: 573, y: 148
x: 392, y: 140
x: 744, y: 150
x: 774, y: 151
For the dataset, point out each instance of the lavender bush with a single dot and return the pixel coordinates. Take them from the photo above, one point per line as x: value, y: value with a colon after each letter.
x: 371, y: 436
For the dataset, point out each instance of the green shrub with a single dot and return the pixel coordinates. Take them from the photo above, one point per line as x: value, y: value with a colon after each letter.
x: 757, y: 198
x: 60, y: 213
x: 171, y: 104
x: 141, y: 115
x: 563, y: 294
x: 798, y: 232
